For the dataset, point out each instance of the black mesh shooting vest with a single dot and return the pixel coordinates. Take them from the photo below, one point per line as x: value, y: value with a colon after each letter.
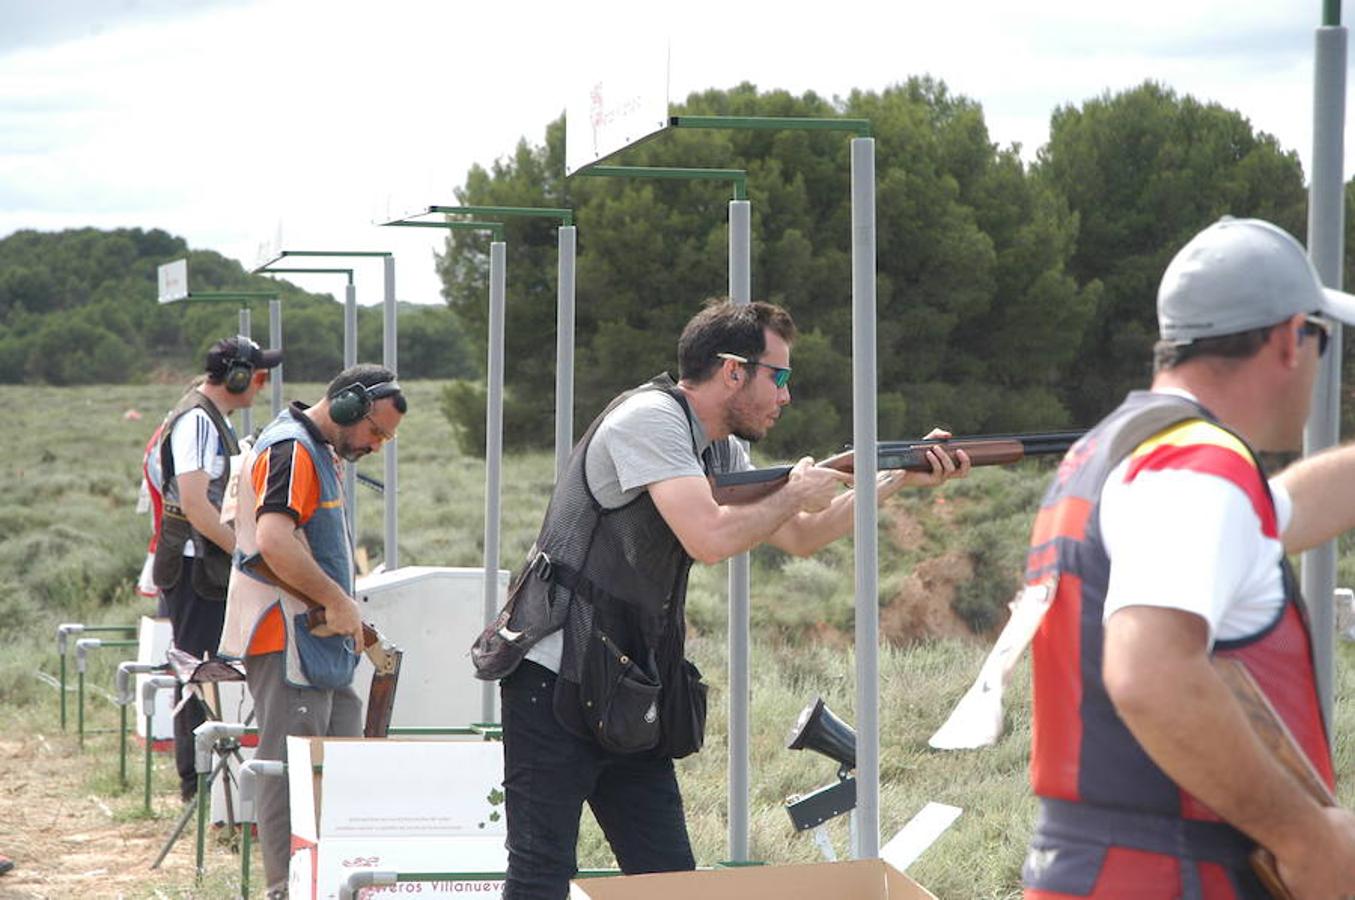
x: 621, y: 575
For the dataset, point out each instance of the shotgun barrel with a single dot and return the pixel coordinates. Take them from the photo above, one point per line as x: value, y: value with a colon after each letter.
x: 983, y: 450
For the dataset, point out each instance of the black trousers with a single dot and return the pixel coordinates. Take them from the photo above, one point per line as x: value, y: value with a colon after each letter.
x: 549, y: 774
x: 196, y: 623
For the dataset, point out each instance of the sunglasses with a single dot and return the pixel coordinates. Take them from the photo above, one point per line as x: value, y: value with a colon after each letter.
x: 382, y: 434
x: 780, y: 374
x: 1320, y: 327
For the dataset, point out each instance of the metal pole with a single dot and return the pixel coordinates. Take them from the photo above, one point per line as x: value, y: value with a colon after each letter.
x: 494, y: 442
x: 63, y: 632
x: 1326, y: 234
x: 350, y: 359
x: 564, y: 348
x: 246, y: 414
x: 740, y: 622
x: 388, y: 359
x: 275, y: 343
x: 149, y: 688
x: 82, y: 647
x: 122, y: 745
x: 867, y: 539
x: 150, y: 740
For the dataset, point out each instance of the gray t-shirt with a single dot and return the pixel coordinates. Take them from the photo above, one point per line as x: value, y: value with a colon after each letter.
x: 646, y: 439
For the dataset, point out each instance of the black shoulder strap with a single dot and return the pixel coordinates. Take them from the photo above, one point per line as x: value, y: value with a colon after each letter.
x: 194, y: 399
x: 716, y: 456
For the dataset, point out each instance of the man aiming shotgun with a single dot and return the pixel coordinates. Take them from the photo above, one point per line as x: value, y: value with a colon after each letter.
x: 598, y: 698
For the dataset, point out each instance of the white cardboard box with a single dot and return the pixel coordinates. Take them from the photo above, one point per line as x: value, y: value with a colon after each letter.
x: 395, y: 805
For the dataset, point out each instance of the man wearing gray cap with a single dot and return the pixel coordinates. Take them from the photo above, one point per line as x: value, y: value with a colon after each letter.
x: 1163, y: 546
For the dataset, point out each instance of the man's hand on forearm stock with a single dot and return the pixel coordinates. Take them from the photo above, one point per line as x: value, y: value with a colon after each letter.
x: 944, y: 468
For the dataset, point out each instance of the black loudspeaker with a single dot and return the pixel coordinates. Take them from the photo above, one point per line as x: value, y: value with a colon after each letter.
x: 349, y: 405
x: 238, y: 375
x: 819, y: 730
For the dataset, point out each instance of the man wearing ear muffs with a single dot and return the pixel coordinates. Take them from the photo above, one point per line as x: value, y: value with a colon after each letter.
x: 294, y: 545
x: 193, y: 557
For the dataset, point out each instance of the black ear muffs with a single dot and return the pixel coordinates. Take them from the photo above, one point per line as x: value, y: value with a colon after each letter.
x: 238, y: 375
x: 349, y: 405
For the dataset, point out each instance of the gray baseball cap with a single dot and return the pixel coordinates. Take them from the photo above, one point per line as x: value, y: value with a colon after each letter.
x: 1240, y: 274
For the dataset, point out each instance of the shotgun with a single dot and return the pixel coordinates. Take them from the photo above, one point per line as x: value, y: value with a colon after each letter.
x: 732, y: 488
x: 1276, y: 738
x: 384, y: 655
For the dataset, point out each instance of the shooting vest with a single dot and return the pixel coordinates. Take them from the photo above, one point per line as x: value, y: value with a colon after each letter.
x: 211, y: 565
x: 1094, y: 779
x: 616, y: 581
x: 326, y: 533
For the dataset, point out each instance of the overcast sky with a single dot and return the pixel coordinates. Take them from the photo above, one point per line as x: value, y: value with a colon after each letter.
x: 226, y: 120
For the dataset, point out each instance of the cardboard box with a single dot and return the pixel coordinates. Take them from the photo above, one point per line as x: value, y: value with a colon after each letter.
x: 862, y: 879
x: 395, y: 805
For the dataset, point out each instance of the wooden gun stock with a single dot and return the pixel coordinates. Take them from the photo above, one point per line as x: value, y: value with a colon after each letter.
x: 734, y: 488
x: 385, y: 656
x: 1277, y: 739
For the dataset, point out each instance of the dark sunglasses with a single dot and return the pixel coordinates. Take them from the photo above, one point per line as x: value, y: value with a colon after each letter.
x: 780, y: 374
x: 1320, y: 327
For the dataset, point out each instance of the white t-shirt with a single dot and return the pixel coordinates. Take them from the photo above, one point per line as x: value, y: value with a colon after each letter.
x: 1187, y: 526
x: 196, y: 446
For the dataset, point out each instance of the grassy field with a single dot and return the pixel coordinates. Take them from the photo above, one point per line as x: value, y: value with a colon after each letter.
x: 71, y: 543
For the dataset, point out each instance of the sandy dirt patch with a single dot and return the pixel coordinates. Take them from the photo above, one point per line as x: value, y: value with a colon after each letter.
x: 70, y: 840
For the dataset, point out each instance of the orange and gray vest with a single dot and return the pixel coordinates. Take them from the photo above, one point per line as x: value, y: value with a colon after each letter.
x: 327, y: 535
x: 1094, y: 779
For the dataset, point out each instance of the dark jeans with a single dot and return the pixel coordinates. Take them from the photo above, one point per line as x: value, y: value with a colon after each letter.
x: 196, y: 624
x: 549, y: 774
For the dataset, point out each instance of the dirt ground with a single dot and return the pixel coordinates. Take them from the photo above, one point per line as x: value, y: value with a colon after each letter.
x: 923, y: 605
x: 69, y: 840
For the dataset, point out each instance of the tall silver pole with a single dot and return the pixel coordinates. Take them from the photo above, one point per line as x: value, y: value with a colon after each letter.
x: 564, y: 348
x: 275, y: 343
x: 350, y: 325
x: 740, y: 291
x: 392, y: 454
x: 350, y: 359
x: 1326, y: 236
x: 246, y: 414
x: 494, y: 442
x: 867, y: 538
